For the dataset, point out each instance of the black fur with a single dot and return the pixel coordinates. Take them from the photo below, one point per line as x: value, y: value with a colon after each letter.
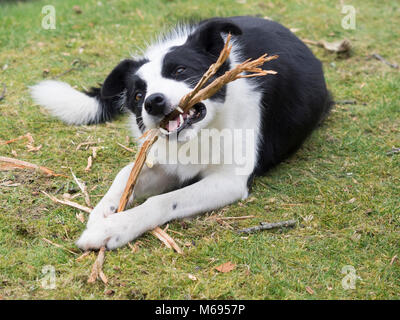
x: 118, y: 90
x: 295, y: 100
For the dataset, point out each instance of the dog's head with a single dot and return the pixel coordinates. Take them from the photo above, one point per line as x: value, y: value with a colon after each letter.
x: 152, y: 87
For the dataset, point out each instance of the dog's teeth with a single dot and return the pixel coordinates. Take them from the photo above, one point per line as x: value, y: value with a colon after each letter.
x: 179, y: 109
x: 182, y: 120
x: 164, y: 131
x: 191, y: 112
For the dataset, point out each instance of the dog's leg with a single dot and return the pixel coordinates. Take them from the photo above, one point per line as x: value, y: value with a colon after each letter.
x: 150, y: 182
x: 212, y: 192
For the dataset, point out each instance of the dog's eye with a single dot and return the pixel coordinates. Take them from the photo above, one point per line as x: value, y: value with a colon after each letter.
x: 179, y: 71
x: 138, y: 96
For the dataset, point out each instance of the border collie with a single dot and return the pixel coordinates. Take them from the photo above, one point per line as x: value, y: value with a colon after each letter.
x: 281, y: 110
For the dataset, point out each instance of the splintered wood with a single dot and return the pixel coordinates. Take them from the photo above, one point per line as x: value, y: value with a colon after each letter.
x: 11, y: 163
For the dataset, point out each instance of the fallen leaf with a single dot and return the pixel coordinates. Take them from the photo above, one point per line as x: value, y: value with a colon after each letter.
x: 226, y: 267
x: 109, y: 292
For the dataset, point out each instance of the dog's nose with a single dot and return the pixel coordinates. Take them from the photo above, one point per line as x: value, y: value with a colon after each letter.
x: 156, y: 104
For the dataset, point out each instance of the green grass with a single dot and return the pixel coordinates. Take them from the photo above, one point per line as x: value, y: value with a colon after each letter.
x: 341, y: 185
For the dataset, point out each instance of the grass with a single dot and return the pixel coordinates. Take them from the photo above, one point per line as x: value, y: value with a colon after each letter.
x: 341, y: 186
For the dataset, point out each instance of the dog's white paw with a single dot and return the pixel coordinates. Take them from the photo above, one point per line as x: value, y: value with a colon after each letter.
x: 104, y: 209
x: 111, y: 232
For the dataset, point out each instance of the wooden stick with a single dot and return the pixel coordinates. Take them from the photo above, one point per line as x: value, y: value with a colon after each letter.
x: 380, y: 58
x: 83, y: 188
x: 68, y: 203
x: 58, y: 246
x: 97, y: 268
x: 137, y: 167
x: 10, y: 163
x: 25, y: 136
x: 170, y: 243
x: 268, y: 226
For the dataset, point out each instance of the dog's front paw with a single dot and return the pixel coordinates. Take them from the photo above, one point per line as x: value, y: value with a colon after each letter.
x: 111, y: 232
x: 104, y: 209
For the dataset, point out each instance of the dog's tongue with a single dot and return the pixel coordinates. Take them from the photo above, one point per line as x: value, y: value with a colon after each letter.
x: 173, y: 124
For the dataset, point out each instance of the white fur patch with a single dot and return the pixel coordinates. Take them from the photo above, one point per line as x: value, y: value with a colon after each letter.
x: 64, y: 102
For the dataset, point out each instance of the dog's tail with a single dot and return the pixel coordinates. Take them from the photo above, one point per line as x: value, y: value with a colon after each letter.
x: 73, y: 106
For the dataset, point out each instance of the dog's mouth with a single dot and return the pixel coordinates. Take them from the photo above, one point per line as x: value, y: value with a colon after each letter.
x: 185, y: 120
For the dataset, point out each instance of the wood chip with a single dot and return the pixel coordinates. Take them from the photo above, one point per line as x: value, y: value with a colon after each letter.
x: 309, y: 290
x: 89, y: 164
x: 94, y: 151
x: 31, y: 148
x: 80, y: 217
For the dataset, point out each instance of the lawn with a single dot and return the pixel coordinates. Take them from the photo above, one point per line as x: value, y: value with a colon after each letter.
x: 342, y: 186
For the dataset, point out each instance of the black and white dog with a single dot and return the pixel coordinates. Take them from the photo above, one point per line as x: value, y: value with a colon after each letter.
x: 281, y: 110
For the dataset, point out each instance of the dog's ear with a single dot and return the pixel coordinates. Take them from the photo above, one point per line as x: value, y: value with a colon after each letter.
x: 117, y: 81
x: 208, y: 35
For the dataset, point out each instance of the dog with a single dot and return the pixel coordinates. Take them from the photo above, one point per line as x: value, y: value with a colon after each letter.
x: 280, y: 110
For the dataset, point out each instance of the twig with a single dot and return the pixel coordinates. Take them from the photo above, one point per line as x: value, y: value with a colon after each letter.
x: 25, y: 136
x: 230, y: 218
x: 83, y: 188
x: 346, y: 102
x: 161, y: 234
x: 126, y: 148
x: 84, y: 255
x: 393, y: 151
x: 75, y: 66
x: 268, y: 226
x: 380, y: 58
x: 97, y: 269
x: 68, y: 203
x: 140, y: 160
x: 58, y: 246
x: 89, y: 164
x: 3, y: 94
x: 85, y: 144
x: 11, y: 163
